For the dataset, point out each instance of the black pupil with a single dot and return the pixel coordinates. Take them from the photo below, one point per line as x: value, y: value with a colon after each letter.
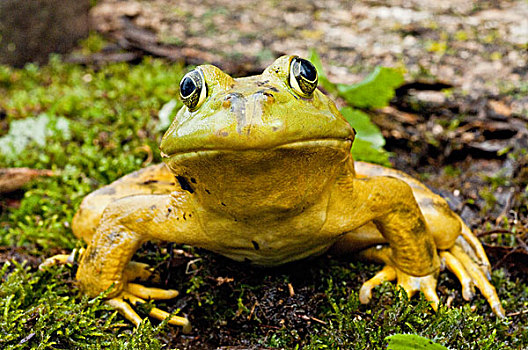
x: 187, y: 87
x: 308, y: 71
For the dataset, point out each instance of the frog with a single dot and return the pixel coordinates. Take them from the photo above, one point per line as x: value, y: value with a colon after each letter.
x: 259, y: 169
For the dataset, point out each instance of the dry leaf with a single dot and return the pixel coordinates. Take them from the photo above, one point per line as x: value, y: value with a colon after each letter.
x: 500, y: 108
x: 12, y: 179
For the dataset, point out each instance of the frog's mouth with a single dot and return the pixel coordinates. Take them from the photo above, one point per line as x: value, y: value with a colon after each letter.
x: 333, y: 143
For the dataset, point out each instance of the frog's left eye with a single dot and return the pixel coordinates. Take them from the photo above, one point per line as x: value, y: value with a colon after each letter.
x: 303, y: 77
x: 193, y: 89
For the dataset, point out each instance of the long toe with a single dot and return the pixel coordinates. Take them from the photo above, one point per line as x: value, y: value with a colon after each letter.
x: 150, y: 292
x: 479, y: 279
x: 174, y: 320
x: 124, y: 309
x: 388, y: 273
x: 455, y: 266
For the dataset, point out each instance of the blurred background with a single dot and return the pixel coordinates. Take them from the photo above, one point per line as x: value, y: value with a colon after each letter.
x: 477, y: 46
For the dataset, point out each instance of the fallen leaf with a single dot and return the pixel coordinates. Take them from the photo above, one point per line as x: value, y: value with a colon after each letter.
x: 12, y: 179
x: 500, y: 108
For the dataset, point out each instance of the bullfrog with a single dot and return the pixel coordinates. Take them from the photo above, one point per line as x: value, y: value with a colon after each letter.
x: 259, y: 169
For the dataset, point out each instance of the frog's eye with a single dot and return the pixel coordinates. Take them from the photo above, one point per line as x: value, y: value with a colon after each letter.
x: 303, y: 77
x: 193, y: 89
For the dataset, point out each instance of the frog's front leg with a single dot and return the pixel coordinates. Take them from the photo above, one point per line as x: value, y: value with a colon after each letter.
x: 386, y: 205
x: 124, y: 226
x: 459, y: 250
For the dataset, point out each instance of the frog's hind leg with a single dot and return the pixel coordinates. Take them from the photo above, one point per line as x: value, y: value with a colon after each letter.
x: 467, y: 268
x: 155, y: 179
x: 471, y: 245
x: 464, y: 265
x: 449, y: 230
x: 459, y: 259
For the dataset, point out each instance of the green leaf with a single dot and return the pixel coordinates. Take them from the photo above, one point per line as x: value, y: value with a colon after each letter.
x: 364, y: 151
x: 369, y: 142
x: 366, y: 130
x: 316, y: 61
x: 374, y: 91
x: 412, y: 341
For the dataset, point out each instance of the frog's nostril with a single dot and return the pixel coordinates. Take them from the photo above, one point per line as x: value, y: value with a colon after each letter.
x: 234, y: 98
x: 270, y: 97
x: 264, y: 96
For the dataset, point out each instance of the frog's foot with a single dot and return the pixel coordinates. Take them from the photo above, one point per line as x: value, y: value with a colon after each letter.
x: 133, y: 270
x: 61, y: 259
x: 466, y: 266
x: 410, y: 284
x: 471, y: 245
x: 136, y: 294
x: 455, y: 266
x: 470, y: 272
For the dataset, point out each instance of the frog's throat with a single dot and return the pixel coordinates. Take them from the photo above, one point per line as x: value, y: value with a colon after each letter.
x: 278, y: 181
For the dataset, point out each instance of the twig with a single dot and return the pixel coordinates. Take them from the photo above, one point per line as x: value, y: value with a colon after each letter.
x: 290, y: 289
x: 252, y: 310
x: 522, y: 243
x: 487, y: 233
x: 503, y: 259
x: 517, y: 313
x: 310, y: 318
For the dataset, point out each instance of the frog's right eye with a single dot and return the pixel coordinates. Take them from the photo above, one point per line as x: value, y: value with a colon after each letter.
x: 193, y: 89
x: 303, y: 77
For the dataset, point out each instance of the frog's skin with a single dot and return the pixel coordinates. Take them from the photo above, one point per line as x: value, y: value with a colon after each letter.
x: 259, y: 173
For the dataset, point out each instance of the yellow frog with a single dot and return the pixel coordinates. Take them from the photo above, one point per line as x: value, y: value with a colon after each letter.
x: 259, y: 169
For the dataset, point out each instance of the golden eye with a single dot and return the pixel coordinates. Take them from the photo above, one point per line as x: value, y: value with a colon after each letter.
x: 193, y: 89
x: 303, y: 77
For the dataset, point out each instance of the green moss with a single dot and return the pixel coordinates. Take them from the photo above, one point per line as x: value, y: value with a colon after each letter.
x: 40, y: 311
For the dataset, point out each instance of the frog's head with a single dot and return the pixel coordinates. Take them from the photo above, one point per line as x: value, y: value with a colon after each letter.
x: 265, y: 143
